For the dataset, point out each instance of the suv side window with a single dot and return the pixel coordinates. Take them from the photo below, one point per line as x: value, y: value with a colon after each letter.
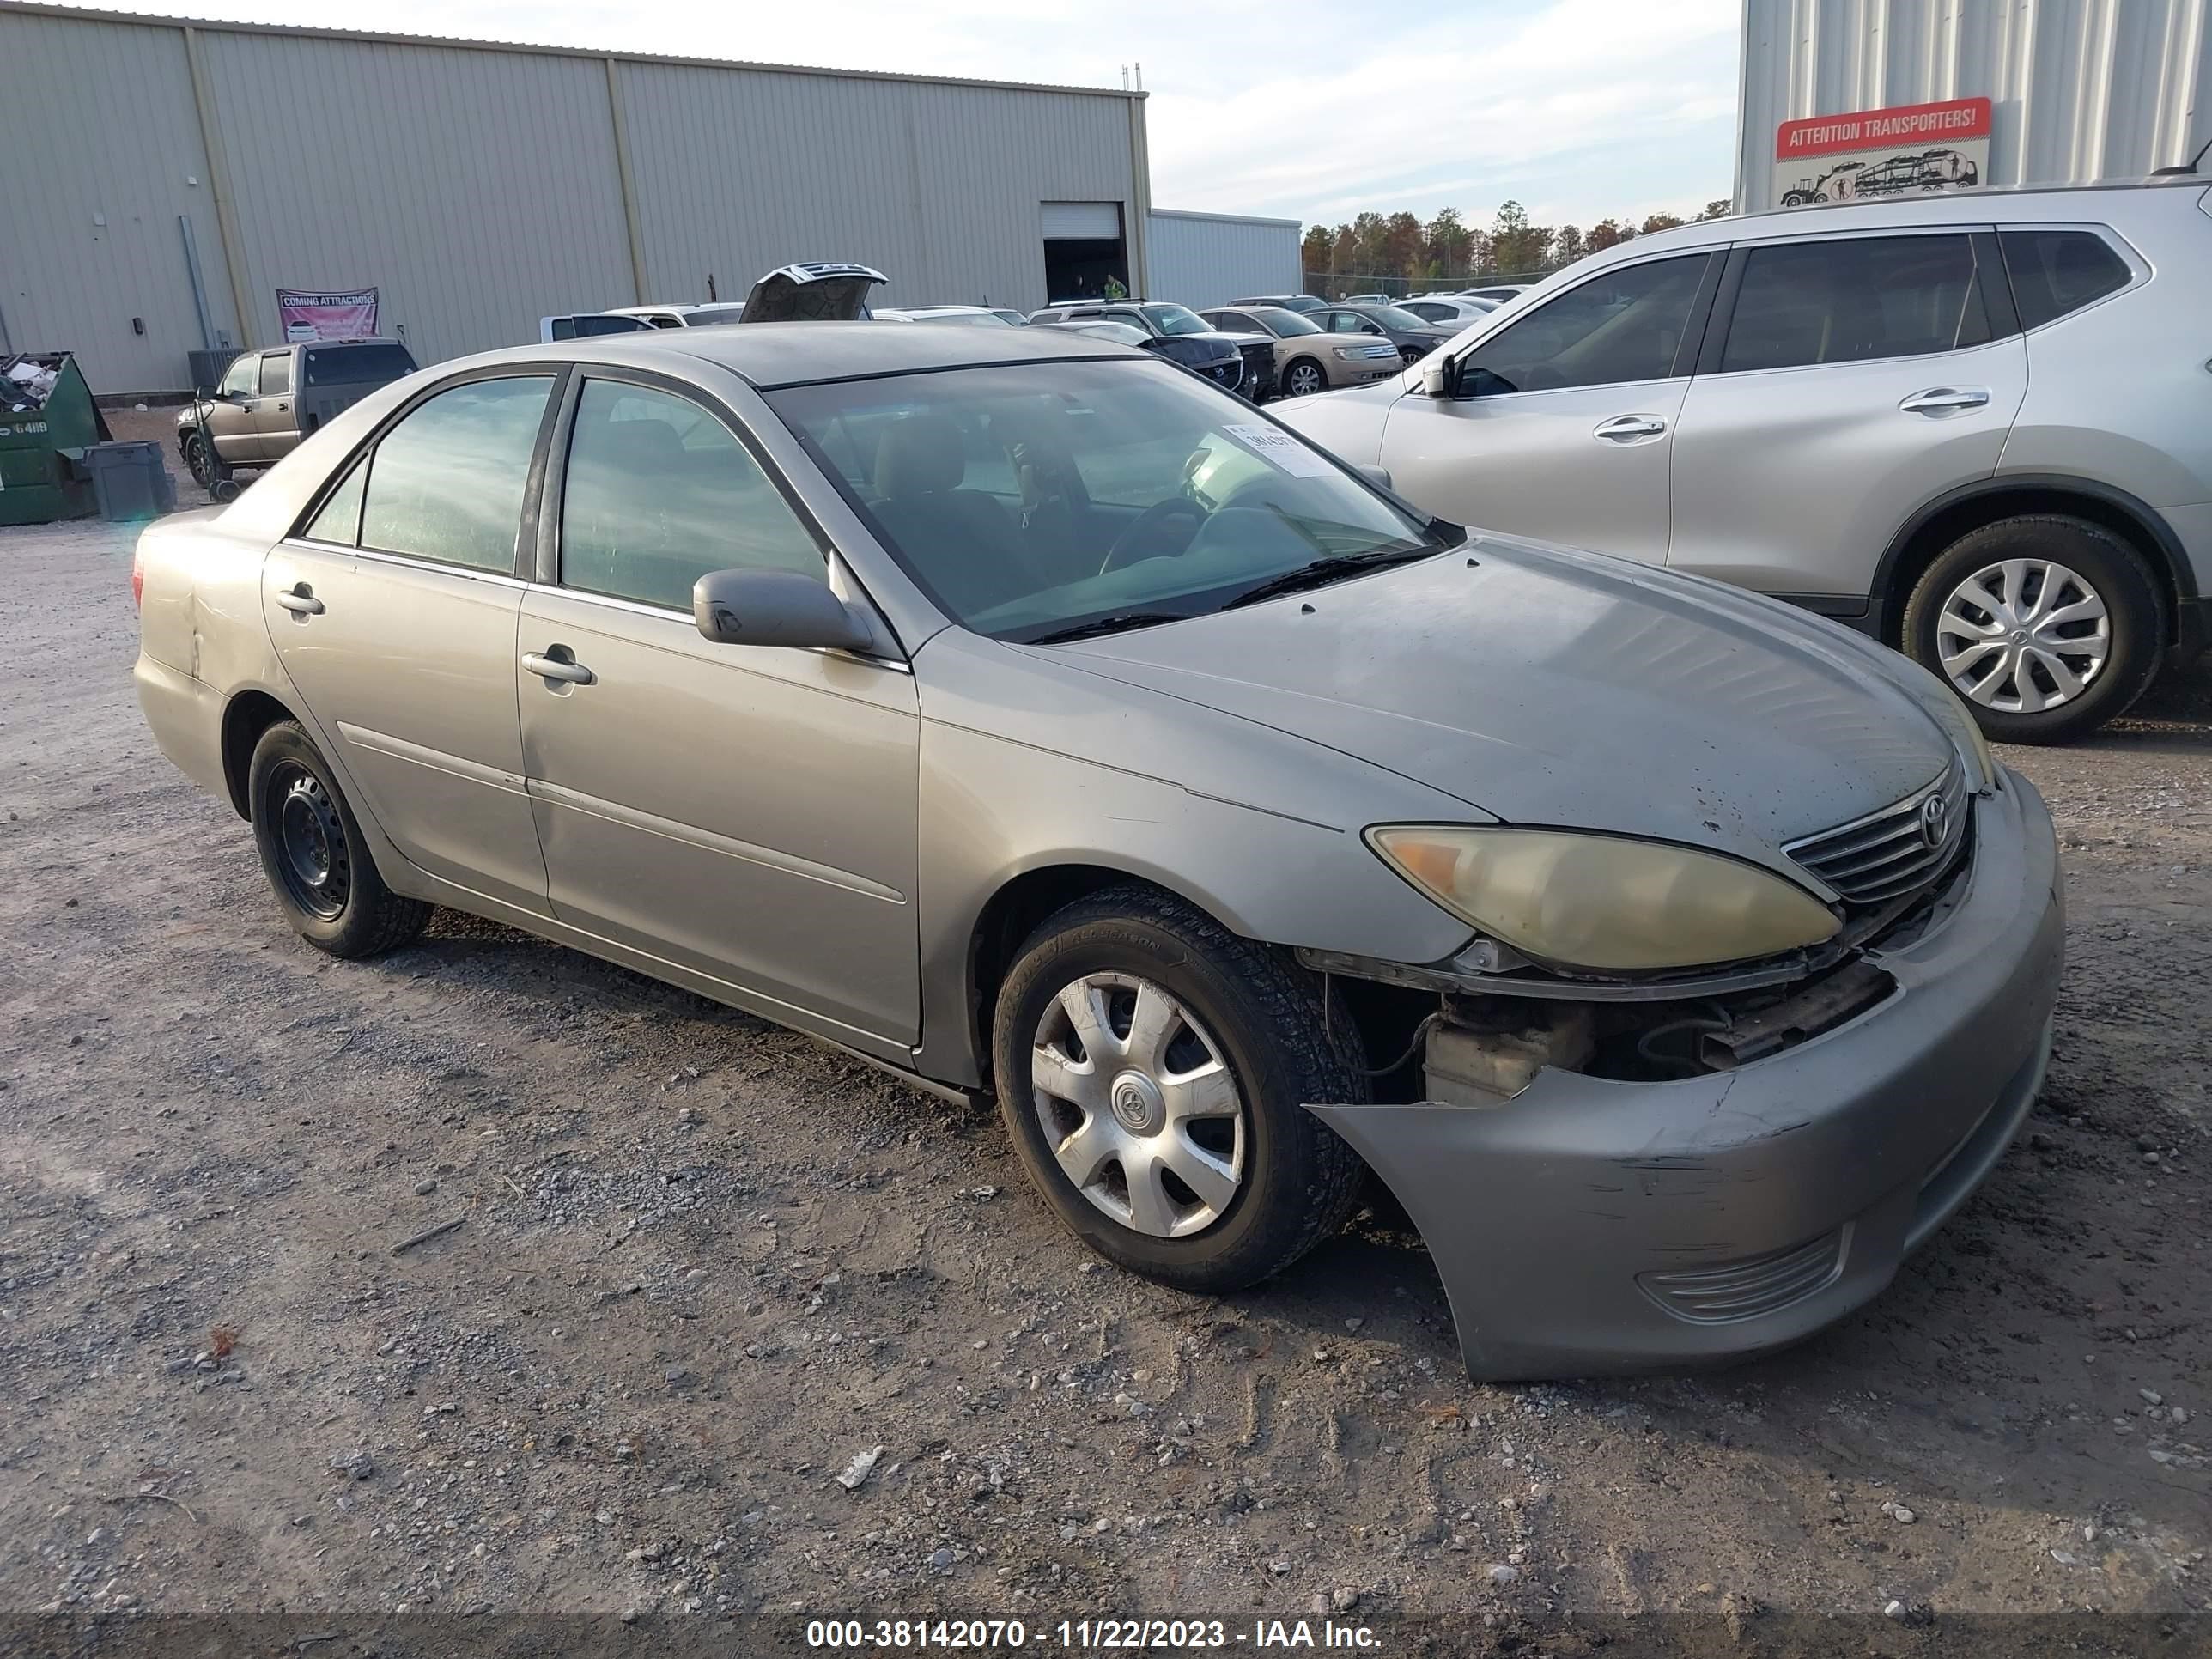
x: 658, y: 492
x: 447, y: 483
x: 1620, y: 326
x: 1854, y: 299
x: 275, y: 374
x: 2055, y: 271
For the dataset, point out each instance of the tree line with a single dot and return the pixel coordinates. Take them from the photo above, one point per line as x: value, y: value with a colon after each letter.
x: 1448, y: 250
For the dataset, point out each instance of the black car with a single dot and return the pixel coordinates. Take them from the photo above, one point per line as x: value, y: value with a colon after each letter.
x: 1414, y: 336
x: 1211, y: 355
x: 1177, y: 332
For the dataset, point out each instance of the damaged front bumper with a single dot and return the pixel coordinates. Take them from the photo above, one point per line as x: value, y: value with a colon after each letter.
x: 1587, y: 1225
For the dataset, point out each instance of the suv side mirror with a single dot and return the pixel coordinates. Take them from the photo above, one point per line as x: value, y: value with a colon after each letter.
x: 775, y: 607
x: 1440, y: 376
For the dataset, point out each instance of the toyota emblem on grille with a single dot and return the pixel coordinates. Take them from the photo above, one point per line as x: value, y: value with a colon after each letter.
x: 1935, y: 816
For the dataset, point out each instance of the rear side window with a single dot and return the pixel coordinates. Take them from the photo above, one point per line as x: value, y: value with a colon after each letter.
x: 339, y: 520
x: 275, y: 374
x: 658, y: 492
x: 2055, y: 271
x: 1854, y: 300
x: 447, y: 483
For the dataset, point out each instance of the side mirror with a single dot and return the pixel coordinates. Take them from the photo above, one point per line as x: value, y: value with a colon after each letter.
x: 775, y: 607
x: 1370, y: 328
x: 1440, y: 376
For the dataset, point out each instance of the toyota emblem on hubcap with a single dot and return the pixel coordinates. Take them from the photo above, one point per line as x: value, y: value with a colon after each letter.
x: 1934, y: 817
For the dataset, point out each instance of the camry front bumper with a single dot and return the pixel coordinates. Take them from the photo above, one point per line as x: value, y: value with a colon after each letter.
x: 1589, y: 1225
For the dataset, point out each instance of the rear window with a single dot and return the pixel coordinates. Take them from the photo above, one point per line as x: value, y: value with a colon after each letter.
x: 351, y: 365
x: 2055, y: 271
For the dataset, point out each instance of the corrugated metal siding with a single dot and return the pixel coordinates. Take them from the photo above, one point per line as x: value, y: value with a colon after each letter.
x: 939, y: 187
x: 2082, y: 89
x: 1209, y: 259
x: 477, y: 189
x: 100, y: 121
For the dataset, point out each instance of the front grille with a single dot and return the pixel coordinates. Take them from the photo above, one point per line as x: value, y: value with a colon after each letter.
x: 1230, y: 374
x: 1747, y: 1289
x: 1896, y: 851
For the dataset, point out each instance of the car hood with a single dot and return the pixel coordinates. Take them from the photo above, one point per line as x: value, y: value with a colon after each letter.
x: 1548, y: 687
x: 814, y: 292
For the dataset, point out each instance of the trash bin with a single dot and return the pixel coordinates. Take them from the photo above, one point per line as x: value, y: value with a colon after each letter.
x: 47, y: 422
x: 129, y: 480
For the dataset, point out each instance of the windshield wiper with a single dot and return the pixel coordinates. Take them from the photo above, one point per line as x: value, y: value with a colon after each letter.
x: 1322, y: 572
x: 1115, y: 624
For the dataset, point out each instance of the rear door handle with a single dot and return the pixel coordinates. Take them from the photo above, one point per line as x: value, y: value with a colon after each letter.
x: 1628, y: 428
x: 552, y: 669
x: 1946, y: 400
x: 301, y: 601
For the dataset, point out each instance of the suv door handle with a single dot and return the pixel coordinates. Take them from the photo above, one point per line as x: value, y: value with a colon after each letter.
x: 1946, y: 400
x: 1627, y: 428
x: 554, y: 669
x: 300, y: 599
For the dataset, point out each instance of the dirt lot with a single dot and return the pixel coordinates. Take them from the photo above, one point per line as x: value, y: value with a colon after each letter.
x: 702, y: 1264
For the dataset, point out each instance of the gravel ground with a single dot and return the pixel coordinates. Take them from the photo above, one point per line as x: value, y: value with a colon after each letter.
x: 702, y: 1267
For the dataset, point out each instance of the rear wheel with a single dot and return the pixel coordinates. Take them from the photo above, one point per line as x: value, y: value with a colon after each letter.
x: 313, y: 852
x: 1303, y: 378
x: 1151, y: 1068
x: 2046, y: 626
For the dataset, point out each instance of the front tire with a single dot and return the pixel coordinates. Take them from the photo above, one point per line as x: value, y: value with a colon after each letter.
x: 207, y: 468
x: 1303, y: 378
x: 2046, y: 626
x: 313, y: 853
x: 1151, y: 1068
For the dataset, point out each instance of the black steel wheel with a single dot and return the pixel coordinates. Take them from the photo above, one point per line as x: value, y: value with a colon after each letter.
x: 312, y: 860
x: 314, y: 854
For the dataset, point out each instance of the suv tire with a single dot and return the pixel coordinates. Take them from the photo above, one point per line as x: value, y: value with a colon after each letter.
x: 1988, y: 598
x: 313, y: 852
x: 1270, y: 1181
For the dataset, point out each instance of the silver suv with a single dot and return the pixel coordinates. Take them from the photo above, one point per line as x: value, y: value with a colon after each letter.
x: 1974, y: 427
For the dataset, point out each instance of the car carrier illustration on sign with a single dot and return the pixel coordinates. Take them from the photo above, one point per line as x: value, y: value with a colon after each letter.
x: 1894, y: 175
x: 1875, y: 154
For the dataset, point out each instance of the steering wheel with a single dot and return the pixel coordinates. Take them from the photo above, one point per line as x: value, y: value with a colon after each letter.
x: 1147, y: 523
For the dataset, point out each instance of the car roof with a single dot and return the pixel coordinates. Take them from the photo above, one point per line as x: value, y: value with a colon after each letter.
x: 770, y: 355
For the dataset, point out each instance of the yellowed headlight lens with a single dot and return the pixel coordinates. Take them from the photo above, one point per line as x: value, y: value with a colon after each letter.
x: 1604, y: 902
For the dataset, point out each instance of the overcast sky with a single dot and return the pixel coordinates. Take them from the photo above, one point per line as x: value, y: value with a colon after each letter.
x: 1311, y: 110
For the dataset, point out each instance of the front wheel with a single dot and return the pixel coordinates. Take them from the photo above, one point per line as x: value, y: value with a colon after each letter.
x: 1303, y: 378
x: 314, y: 855
x: 2046, y: 626
x: 207, y: 468
x: 1152, y: 1068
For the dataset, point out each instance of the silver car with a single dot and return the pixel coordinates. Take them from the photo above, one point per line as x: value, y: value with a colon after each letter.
x: 1019, y: 712
x: 1972, y: 426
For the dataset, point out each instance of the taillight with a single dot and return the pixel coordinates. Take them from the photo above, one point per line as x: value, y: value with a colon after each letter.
x: 137, y: 576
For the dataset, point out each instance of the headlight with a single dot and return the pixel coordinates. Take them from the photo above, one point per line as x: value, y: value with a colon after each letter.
x: 1604, y: 902
x: 1345, y: 354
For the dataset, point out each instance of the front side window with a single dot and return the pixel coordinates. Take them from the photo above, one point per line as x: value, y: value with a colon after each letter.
x: 2055, y: 271
x: 275, y: 374
x: 447, y: 483
x: 239, y: 379
x: 1618, y: 327
x: 1031, y: 497
x: 658, y: 492
x: 1855, y: 299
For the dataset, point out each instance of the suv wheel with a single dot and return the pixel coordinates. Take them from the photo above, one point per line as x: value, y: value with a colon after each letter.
x: 2046, y: 626
x: 1303, y: 378
x: 1151, y: 1066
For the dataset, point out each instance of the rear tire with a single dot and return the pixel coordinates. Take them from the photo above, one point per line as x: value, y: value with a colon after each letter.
x: 2046, y: 626
x: 1245, y: 1037
x: 313, y: 853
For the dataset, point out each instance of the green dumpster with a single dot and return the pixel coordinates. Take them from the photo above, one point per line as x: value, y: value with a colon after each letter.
x: 47, y: 422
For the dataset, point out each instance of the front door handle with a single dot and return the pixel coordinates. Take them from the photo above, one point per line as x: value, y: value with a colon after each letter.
x: 282, y: 407
x: 554, y: 670
x: 1946, y: 400
x: 1628, y: 428
x: 300, y: 599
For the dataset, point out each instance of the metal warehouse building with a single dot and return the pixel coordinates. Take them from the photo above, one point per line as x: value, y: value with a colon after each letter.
x: 165, y: 178
x: 1844, y: 99
x: 1211, y: 259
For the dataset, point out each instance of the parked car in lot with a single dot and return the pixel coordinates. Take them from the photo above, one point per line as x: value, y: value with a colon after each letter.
x: 1308, y: 359
x: 1449, y: 311
x: 1499, y: 294
x: 1973, y: 429
x: 960, y: 316
x: 1255, y: 352
x: 1413, y: 337
x: 819, y: 290
x: 1216, y: 356
x: 1288, y: 301
x: 1018, y: 713
x: 268, y: 401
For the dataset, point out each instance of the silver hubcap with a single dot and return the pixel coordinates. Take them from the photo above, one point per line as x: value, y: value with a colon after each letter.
x: 1305, y: 380
x: 1138, y: 1105
x: 2023, y: 635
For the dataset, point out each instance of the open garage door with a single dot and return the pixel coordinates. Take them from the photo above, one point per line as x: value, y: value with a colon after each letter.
x: 1083, y: 249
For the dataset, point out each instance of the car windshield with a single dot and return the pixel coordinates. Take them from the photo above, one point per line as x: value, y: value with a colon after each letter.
x: 1395, y: 317
x: 1285, y: 323
x: 1175, y: 320
x: 711, y: 316
x: 1031, y: 498
x: 349, y: 365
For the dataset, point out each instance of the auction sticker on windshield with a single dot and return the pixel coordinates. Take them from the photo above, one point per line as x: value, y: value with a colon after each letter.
x: 1281, y: 450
